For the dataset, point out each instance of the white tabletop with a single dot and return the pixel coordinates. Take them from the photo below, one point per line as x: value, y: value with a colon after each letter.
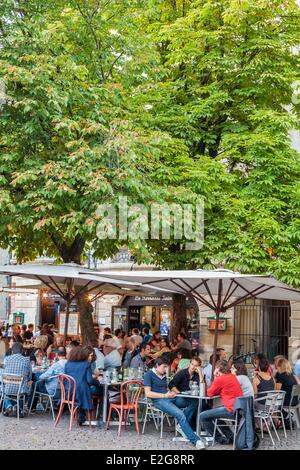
x: 197, y: 396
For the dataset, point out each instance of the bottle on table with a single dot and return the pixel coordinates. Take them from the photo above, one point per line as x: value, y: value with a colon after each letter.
x: 44, y: 363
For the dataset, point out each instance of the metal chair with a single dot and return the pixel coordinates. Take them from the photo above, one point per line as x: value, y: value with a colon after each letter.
x: 42, y: 395
x: 294, y: 410
x: 229, y: 423
x: 68, y: 397
x: 157, y: 415
x: 11, y: 382
x: 129, y: 400
x: 272, y: 409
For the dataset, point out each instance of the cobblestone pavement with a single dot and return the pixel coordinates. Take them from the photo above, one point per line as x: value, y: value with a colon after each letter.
x: 38, y: 432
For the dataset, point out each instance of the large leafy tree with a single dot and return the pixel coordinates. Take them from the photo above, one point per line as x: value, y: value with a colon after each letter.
x: 66, y: 136
x: 225, y: 87
x: 157, y: 100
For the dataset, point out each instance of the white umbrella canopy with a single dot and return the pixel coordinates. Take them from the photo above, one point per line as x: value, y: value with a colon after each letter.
x: 70, y: 280
x: 65, y: 278
x: 218, y: 289
x: 222, y: 288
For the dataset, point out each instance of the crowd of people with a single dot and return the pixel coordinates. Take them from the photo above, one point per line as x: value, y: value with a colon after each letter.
x: 159, y: 359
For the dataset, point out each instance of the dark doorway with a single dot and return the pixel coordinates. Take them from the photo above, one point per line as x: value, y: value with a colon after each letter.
x: 51, y: 306
x: 47, y: 311
x: 263, y: 328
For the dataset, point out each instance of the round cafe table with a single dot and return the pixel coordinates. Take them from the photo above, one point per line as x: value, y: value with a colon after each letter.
x: 201, y: 399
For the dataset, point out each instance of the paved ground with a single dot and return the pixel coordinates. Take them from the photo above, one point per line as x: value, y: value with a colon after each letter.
x: 38, y: 432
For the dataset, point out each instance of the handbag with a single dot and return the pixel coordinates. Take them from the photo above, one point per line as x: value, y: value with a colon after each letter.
x: 114, y: 396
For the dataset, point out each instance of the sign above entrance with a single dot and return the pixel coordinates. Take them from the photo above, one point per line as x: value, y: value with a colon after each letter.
x: 143, y: 298
x: 211, y: 323
x: 151, y: 300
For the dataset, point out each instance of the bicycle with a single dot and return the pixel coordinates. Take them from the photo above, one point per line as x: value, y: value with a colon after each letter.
x: 247, y: 358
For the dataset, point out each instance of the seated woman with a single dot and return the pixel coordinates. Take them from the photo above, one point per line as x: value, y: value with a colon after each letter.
x: 263, y: 383
x: 257, y: 360
x: 92, y: 358
x: 155, y: 341
x: 285, y: 380
x: 164, y: 348
x: 208, y: 369
x: 181, y: 360
x: 186, y: 356
x: 239, y: 369
x: 41, y: 342
x: 39, y: 356
x: 79, y: 367
x: 53, y: 348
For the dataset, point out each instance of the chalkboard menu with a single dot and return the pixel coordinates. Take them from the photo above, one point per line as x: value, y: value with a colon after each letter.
x: 73, y: 324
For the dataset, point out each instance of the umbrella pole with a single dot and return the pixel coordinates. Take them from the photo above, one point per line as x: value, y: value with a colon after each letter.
x: 67, y: 319
x: 215, y: 343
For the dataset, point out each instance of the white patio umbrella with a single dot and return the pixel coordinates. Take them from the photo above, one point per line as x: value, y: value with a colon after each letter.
x: 218, y: 289
x: 69, y: 280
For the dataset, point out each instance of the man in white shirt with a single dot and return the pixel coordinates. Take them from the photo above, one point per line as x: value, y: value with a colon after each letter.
x: 112, y: 358
x: 136, y: 337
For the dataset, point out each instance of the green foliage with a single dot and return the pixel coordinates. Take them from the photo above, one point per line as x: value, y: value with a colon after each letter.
x: 224, y: 87
x: 161, y: 101
x: 67, y: 140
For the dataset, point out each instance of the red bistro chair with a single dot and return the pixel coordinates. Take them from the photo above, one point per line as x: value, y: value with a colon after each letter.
x: 68, y: 397
x: 128, y: 402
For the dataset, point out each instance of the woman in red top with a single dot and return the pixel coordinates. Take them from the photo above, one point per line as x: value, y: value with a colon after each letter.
x: 228, y: 387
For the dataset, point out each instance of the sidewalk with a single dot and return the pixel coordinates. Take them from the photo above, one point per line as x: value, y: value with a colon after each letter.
x: 38, y: 432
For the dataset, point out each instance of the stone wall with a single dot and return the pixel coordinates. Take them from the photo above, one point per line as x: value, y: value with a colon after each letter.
x: 27, y: 302
x: 225, y: 338
x: 294, y: 340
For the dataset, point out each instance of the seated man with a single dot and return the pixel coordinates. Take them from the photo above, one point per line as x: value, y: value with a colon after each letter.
x: 137, y: 337
x: 182, y: 343
x: 131, y: 351
x: 112, y: 357
x: 48, y: 384
x: 19, y: 365
x: 181, y: 383
x: 228, y: 387
x: 156, y: 388
x: 142, y: 359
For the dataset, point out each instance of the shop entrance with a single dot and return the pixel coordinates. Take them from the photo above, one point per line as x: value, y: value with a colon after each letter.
x: 50, y: 306
x: 155, y: 318
x: 156, y: 313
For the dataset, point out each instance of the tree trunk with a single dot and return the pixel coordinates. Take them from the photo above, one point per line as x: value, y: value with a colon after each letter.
x: 72, y: 254
x: 179, y: 316
x: 86, y: 318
